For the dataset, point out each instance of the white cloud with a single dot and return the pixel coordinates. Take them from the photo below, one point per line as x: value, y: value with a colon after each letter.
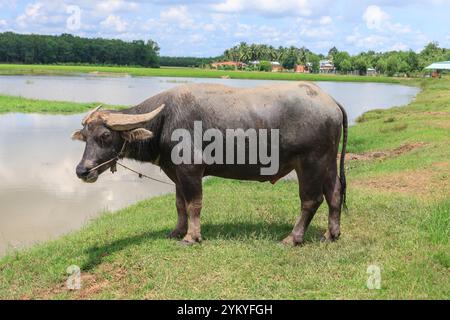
x: 243, y: 30
x: 8, y: 3
x: 32, y: 12
x: 378, y: 20
x: 325, y: 20
x: 318, y: 30
x: 209, y: 27
x: 110, y: 6
x: 115, y: 23
x: 197, y: 38
x: 267, y: 7
x: 178, y: 15
x: 399, y: 46
x: 367, y: 42
x: 375, y: 18
x: 399, y: 28
x: 42, y: 16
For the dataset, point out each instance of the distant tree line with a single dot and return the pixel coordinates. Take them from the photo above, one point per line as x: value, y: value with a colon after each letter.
x: 390, y: 63
x: 66, y: 48
x: 185, y: 61
x: 287, y: 56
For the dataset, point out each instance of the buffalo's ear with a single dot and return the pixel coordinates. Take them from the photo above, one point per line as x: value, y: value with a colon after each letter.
x: 77, y: 135
x: 137, y: 135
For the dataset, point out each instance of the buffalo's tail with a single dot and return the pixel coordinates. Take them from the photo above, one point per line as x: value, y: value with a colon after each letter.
x: 344, y: 150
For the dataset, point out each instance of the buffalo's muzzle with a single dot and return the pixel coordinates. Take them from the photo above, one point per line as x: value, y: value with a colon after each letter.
x: 82, y: 172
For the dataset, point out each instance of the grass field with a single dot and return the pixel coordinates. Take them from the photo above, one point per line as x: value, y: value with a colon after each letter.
x: 398, y: 219
x: 13, y: 69
x: 19, y: 104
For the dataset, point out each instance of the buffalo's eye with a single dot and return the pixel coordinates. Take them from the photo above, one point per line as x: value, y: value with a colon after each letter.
x: 104, y: 139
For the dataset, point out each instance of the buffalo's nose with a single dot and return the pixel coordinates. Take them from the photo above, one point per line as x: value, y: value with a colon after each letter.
x: 82, y: 172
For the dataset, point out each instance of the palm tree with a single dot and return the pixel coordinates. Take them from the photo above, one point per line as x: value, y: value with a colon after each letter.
x: 302, y: 57
x: 255, y: 51
x: 244, y: 52
x: 282, y: 54
x: 272, y: 53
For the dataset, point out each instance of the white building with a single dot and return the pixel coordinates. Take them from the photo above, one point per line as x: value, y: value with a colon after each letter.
x: 326, y: 66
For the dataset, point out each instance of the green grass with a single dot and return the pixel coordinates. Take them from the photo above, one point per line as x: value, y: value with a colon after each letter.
x: 14, y: 69
x: 19, y: 104
x: 402, y: 227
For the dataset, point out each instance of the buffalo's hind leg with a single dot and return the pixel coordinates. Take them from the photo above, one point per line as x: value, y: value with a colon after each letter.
x: 182, y: 224
x: 332, y: 189
x: 310, y: 172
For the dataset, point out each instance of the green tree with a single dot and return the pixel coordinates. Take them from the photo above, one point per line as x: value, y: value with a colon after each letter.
x: 346, y: 66
x: 66, y: 48
x: 392, y: 65
x: 381, y: 65
x: 315, y: 62
x: 302, y: 56
x: 413, y: 60
x: 339, y: 58
x: 360, y: 63
x: 403, y: 67
x: 289, y: 62
x: 265, y: 66
x: 332, y: 53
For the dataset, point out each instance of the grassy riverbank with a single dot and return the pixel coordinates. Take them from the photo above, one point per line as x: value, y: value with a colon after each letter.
x: 398, y: 219
x: 14, y: 69
x: 19, y: 104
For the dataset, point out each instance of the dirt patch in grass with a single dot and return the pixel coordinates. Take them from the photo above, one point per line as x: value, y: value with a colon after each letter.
x: 407, y: 183
x: 440, y: 124
x: 405, y: 148
x: 437, y: 113
x: 426, y: 183
x: 91, y: 284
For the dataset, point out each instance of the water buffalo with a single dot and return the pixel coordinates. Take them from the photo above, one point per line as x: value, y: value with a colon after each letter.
x: 308, y: 121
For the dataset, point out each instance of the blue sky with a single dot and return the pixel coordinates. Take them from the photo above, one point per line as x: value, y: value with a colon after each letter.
x: 207, y: 28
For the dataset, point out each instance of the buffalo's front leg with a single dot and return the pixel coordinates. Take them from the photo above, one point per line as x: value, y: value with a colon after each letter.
x: 194, y: 208
x: 191, y: 187
x: 182, y: 224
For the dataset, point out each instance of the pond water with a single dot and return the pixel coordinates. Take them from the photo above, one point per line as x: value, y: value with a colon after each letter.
x: 40, y: 196
x: 357, y: 98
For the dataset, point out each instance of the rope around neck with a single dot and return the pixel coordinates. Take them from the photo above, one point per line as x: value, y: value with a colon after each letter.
x: 141, y: 175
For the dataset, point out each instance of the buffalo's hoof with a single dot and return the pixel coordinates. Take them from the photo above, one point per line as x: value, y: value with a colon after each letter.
x: 189, y: 240
x: 329, y: 237
x: 176, y: 234
x: 291, y: 241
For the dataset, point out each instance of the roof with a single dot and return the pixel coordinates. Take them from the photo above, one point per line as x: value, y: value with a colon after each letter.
x: 326, y: 64
x: 228, y: 63
x: 273, y: 63
x: 444, y: 65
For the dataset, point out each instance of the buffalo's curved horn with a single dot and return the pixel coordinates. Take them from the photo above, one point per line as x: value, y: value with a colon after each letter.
x: 124, y: 122
x: 87, y: 117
